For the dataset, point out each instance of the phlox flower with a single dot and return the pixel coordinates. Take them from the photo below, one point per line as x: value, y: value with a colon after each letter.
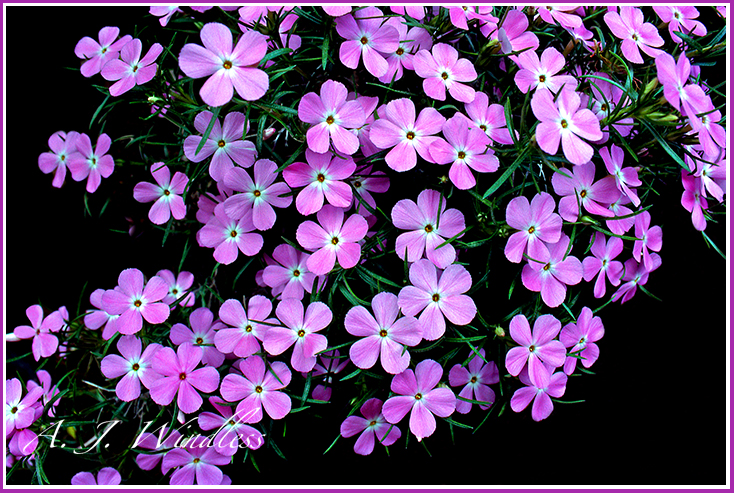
x: 149, y: 441
x: 178, y: 287
x: 258, y: 387
x: 259, y: 14
x: 428, y: 228
x: 406, y: 134
x: 613, y: 157
x: 195, y: 461
x: 681, y: 19
x: 489, y: 118
x: 94, y: 319
x: 336, y: 10
x: 562, y: 122
x: 134, y: 366
x: 417, y: 12
x: 366, y: 182
x: 300, y: 330
x: 581, y: 337
x: 561, y: 14
x: 44, y: 343
x: 49, y: 392
x: 323, y: 176
x: 97, y: 54
x: 551, y: 272
x: 243, y: 328
x: 383, y: 334
x: 635, y: 274
x: 23, y: 443
x: 93, y: 163
x: 366, y: 38
x: 289, y: 275
x: 539, y: 396
x: 369, y: 104
x: 208, y: 202
x: 538, y: 349
x: 164, y: 12
x: 20, y: 411
x: 629, y: 25
x: 332, y: 239
x: 370, y: 427
x: 466, y: 149
x: 442, y: 69
x: 650, y: 239
x: 602, y: 263
x: 134, y: 300
x: 417, y: 394
x: 603, y: 101
x: 410, y: 41
x: 105, y: 476
x: 711, y: 171
x: 541, y: 73
x: 331, y: 115
x: 228, y: 69
x: 225, y: 143
x: 711, y: 134
x: 231, y: 428
x: 461, y: 16
x: 166, y: 194
x: 693, y: 201
x: 131, y: 70
x: 620, y: 209
x: 260, y: 194
x: 227, y: 236
x: 329, y: 364
x: 201, y: 333
x: 576, y: 187
x: 437, y: 295
x: 674, y: 76
x: 475, y: 378
x: 538, y: 225
x: 513, y: 34
x: 63, y: 148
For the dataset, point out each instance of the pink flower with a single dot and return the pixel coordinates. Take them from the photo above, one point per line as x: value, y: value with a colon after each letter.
x: 23, y: 443
x: 402, y: 57
x: 620, y: 209
x: 538, y: 225
x: 327, y: 366
x: 49, y: 392
x: 195, y: 461
x: 225, y: 143
x: 299, y: 330
x: 367, y: 37
x: 258, y: 387
x: 539, y: 348
x: 19, y: 412
x: 465, y: 147
x: 244, y: 329
x: 442, y: 69
x: 228, y: 69
x: 406, y: 135
x: 581, y: 337
x: 623, y: 177
x: 681, y: 19
x: 331, y: 115
x: 178, y: 287
x: 365, y: 183
x: 227, y: 236
x: 383, y: 335
x: 710, y: 132
x: 693, y: 201
x: 260, y: 194
x: 635, y: 274
x: 417, y: 12
x: 134, y: 366
x: 371, y: 426
x: 149, y: 441
x: 44, y: 343
x: 92, y: 163
x: 476, y: 378
x: 542, y: 405
x: 576, y: 186
x: 289, y: 275
x: 164, y: 12
x: 131, y: 70
x: 332, y: 239
x: 563, y: 14
x: 428, y: 228
x: 231, y: 428
x: 322, y: 176
x: 336, y: 10
x: 603, y: 102
x: 437, y: 296
x: 490, y: 119
x: 513, y: 34
x: 63, y: 149
x: 94, y: 319
x: 105, y: 476
x: 602, y: 263
x: 201, y: 333
x: 650, y: 239
x: 563, y: 122
x: 417, y: 394
x: 134, y: 300
x: 541, y: 72
x: 97, y: 54
x: 629, y: 25
x: 674, y: 77
x: 167, y: 194
x: 551, y: 271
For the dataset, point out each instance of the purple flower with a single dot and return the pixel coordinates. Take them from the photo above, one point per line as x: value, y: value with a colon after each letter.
x: 417, y: 394
x: 603, y: 101
x: 542, y: 405
x: 49, y: 392
x: 131, y: 70
x: 576, y: 186
x: 402, y: 57
x: 629, y: 25
x: 541, y: 72
x: 289, y: 275
x: 417, y: 12
x: 97, y: 54
x: 539, y: 348
x: 63, y: 149
x: 442, y: 69
x: 370, y: 427
x: 94, y: 319
x: 581, y: 337
x: 428, y: 228
x: 383, y: 335
x: 92, y: 163
x: 167, y: 194
x: 322, y: 176
x: 619, y: 208
x: 260, y: 194
x: 19, y: 412
x: 692, y: 200
x: 650, y: 239
x: 44, y: 343
x: 195, y: 461
x: 230, y: 69
x: 563, y: 14
x: 635, y: 274
x: 602, y: 263
x: 227, y: 236
x: 299, y: 330
x: 674, y: 77
x: 148, y: 441
x: 178, y: 287
x: 623, y: 177
x: 134, y: 300
x: 134, y: 366
x: 437, y: 296
x: 538, y: 225
x: 164, y: 12
x: 330, y: 115
x: 367, y: 37
x: 258, y: 387
x: 551, y: 271
x: 365, y: 183
x: 105, y: 476
x: 201, y: 333
x: 243, y: 330
x: 475, y: 378
x: 513, y: 34
x: 489, y: 118
x: 681, y: 19
x: 710, y: 133
x: 231, y: 428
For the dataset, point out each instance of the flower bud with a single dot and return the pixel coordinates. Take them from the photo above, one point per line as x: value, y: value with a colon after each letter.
x: 588, y: 220
x: 499, y: 331
x: 268, y: 132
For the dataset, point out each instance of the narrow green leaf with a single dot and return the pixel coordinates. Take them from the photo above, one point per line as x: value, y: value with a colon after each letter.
x: 205, y: 137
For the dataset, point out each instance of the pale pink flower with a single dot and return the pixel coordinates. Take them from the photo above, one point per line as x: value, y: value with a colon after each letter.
x: 552, y: 271
x: 131, y: 70
x: 201, y: 333
x: 94, y: 319
x: 442, y: 69
x: 97, y: 54
x: 260, y: 195
x: 613, y: 157
x: 323, y: 176
x: 541, y: 73
x: 538, y: 226
x: 44, y: 343
x: 166, y: 194
x: 231, y: 428
x: 489, y: 118
x: 538, y: 350
x: 105, y: 476
x: 134, y: 300
x: 164, y: 12
x: 650, y: 239
x: 178, y: 287
x: 63, y: 148
x: 195, y: 461
x: 228, y: 236
x: 244, y: 329
x: 370, y: 427
x: 476, y: 378
x: 629, y: 25
x: 92, y: 163
x: 581, y: 337
x: 539, y: 396
x: 289, y: 275
x: 681, y: 19
x: 134, y: 366
x: 635, y: 274
x: 576, y: 187
x: 366, y: 38
x: 258, y: 387
x: 602, y: 263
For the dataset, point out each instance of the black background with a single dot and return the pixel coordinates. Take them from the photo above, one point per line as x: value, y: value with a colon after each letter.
x: 654, y: 412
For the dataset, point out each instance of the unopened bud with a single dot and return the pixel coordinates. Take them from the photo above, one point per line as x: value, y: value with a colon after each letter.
x: 268, y: 132
x: 650, y: 86
x: 499, y: 331
x: 153, y: 99
x: 588, y: 220
x: 10, y: 337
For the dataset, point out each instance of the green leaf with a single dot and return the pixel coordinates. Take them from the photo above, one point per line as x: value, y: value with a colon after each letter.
x: 275, y: 54
x: 666, y: 147
x: 324, y: 60
x: 205, y: 137
x: 503, y: 178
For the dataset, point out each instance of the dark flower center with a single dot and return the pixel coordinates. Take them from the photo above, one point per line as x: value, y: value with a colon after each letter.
x: 182, y: 376
x: 258, y: 389
x: 321, y: 178
x: 301, y: 333
x: 357, y: 184
x: 473, y: 379
x: 231, y: 422
x: 444, y: 76
x: 546, y: 267
x: 94, y: 160
x: 383, y: 333
x: 436, y: 297
x: 14, y: 410
x: 399, y: 51
x: 634, y: 37
x: 166, y: 192
x: 582, y: 194
x: 296, y: 273
x: 483, y: 127
x: 136, y: 367
x: 63, y: 157
x: 373, y: 422
x: 334, y: 240
x: 583, y: 340
x: 364, y: 40
x: 564, y: 123
x: 196, y: 460
x: 174, y: 291
x: 138, y: 303
x: 677, y: 15
x: 227, y: 64
x: 104, y: 50
x: 531, y: 230
x: 429, y: 228
x: 541, y: 78
x: 330, y: 120
x: 418, y: 396
x: 38, y: 331
x: 461, y: 155
x: 233, y: 233
x: 221, y: 143
x: 531, y: 349
x: 248, y: 328
x: 410, y: 136
x: 256, y: 193
x: 199, y: 340
x: 604, y: 107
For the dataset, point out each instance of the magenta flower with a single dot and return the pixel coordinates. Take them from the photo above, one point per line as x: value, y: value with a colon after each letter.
x: 91, y: 163
x: 542, y: 405
x: 299, y: 330
x: 164, y: 12
x: 602, y: 263
x: 551, y: 271
x: 428, y: 228
x: 710, y: 132
x: 541, y: 73
x: 406, y: 135
x: 322, y: 176
x: 195, y: 461
x: 409, y: 42
x: 623, y: 177
x: 149, y: 441
x: 465, y: 147
x: 227, y: 236
x: 166, y: 194
x: 417, y: 12
x: 619, y: 208
x: 289, y: 275
x: 417, y: 394
x: 442, y: 69
x: 475, y: 378
x: 258, y: 387
x: 538, y: 225
x: 365, y: 183
x: 44, y: 343
x: 629, y: 25
x: 711, y: 172
x: 231, y: 428
x: 581, y: 337
x: 539, y: 348
x: 228, y: 69
x: 562, y: 14
x: 23, y: 443
x: 513, y: 34
x: 336, y: 10
x: 330, y: 115
x: 332, y: 239
x: 366, y: 37
x: 437, y: 296
x: 134, y: 300
x: 692, y: 200
x: 326, y: 367
x: 244, y: 329
x: 383, y: 335
x: 201, y: 333
x: 681, y: 19
x: 178, y: 287
x: 603, y: 101
x: 489, y: 118
x: 562, y: 122
x: 20, y: 412
x: 49, y: 392
x: 576, y: 186
x: 674, y: 77
x: 63, y: 149
x: 260, y: 194
x: 94, y: 319
x: 225, y: 143
x: 134, y: 366
x: 635, y: 274
x: 370, y: 427
x: 105, y: 476
x: 97, y: 54
x: 650, y: 239
x: 131, y: 70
